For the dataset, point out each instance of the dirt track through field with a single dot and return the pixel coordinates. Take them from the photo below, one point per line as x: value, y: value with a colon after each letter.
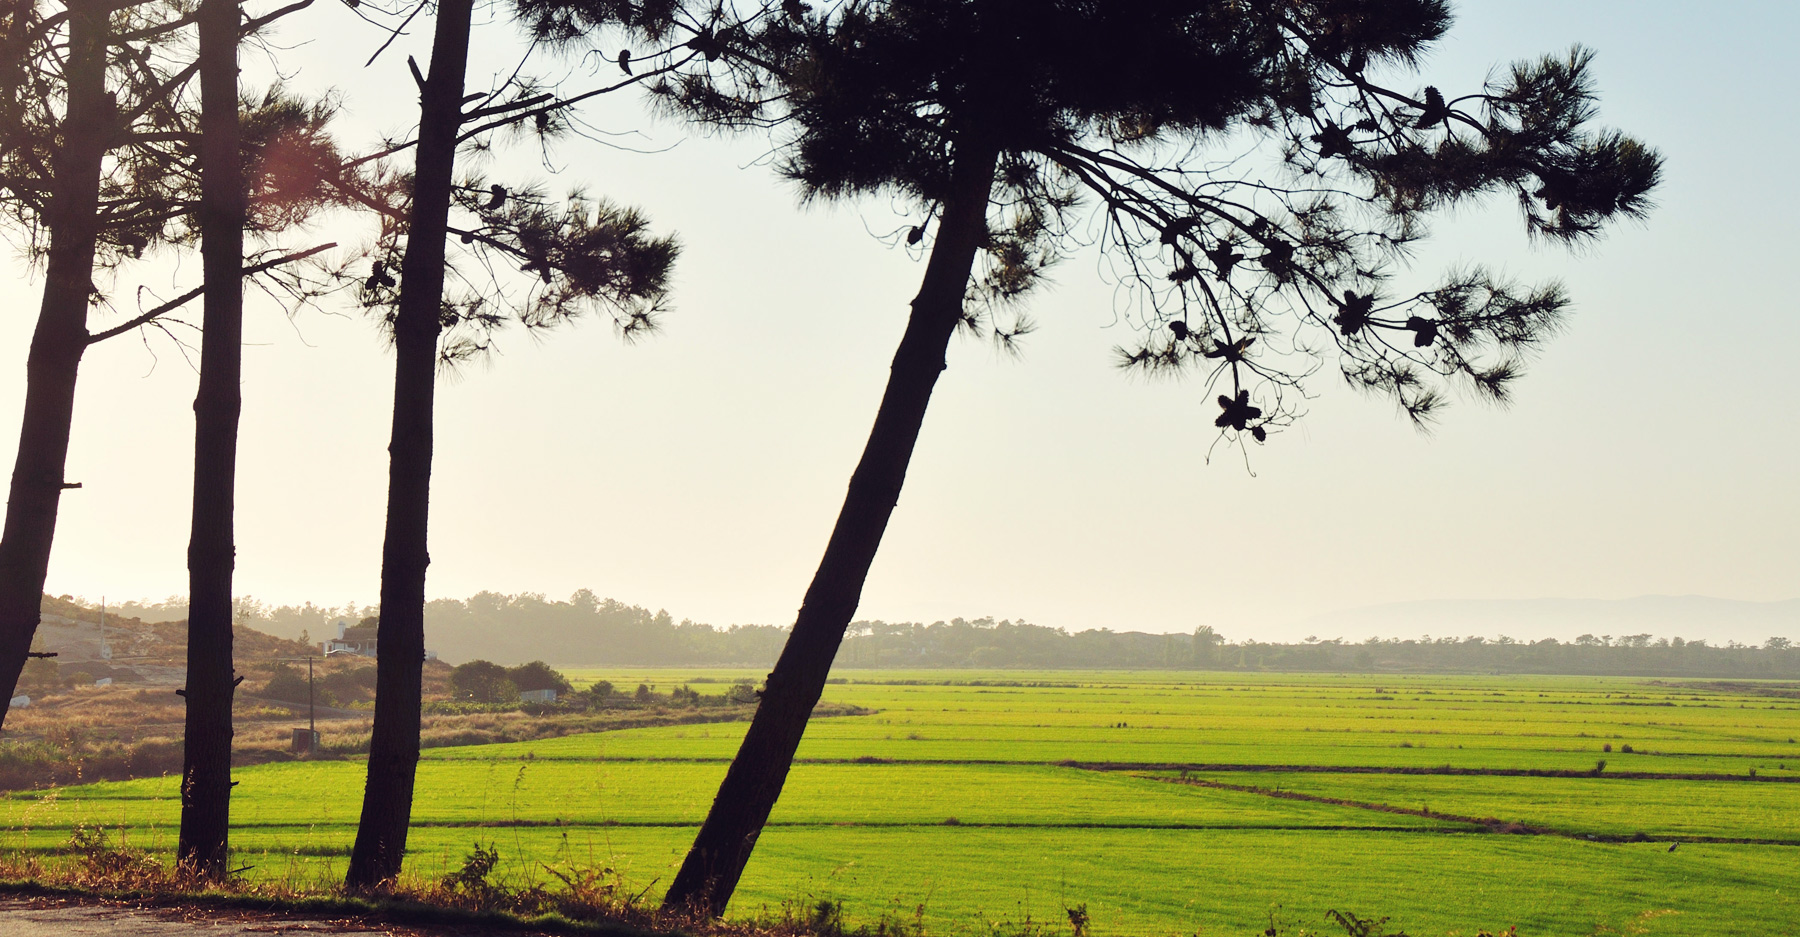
x: 1419, y: 770
x: 1491, y: 824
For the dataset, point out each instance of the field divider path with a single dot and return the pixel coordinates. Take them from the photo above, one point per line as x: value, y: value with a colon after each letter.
x: 933, y: 824
x: 1481, y: 824
x: 1210, y: 768
x: 1130, y: 767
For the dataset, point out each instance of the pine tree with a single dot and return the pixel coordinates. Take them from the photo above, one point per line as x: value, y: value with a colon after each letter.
x: 577, y: 255
x: 1256, y: 168
x: 98, y: 164
x: 202, y: 846
x: 237, y: 149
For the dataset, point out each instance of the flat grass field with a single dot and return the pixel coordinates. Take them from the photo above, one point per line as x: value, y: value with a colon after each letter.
x: 1190, y: 803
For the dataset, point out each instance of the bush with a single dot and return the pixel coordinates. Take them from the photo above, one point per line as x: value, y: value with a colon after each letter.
x: 472, y: 878
x: 40, y: 674
x: 286, y: 683
x: 346, y: 686
x: 481, y: 681
x: 537, y: 675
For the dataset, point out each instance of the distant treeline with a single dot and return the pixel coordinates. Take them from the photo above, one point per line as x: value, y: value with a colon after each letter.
x: 585, y: 631
x: 588, y: 631
x: 987, y: 643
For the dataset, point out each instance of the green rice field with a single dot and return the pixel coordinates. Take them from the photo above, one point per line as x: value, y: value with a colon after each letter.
x: 1166, y: 803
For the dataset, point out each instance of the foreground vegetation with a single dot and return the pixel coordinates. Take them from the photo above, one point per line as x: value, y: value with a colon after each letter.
x: 1194, y: 805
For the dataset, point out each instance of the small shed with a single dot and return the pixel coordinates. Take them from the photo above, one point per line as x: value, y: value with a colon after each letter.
x: 537, y: 696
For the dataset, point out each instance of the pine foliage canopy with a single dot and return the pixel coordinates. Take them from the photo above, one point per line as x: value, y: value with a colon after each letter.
x: 1254, y: 171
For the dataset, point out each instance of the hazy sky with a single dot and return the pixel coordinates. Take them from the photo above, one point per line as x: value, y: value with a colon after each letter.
x: 1652, y: 448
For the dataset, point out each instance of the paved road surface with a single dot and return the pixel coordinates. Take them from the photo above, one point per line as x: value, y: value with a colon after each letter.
x: 61, y: 918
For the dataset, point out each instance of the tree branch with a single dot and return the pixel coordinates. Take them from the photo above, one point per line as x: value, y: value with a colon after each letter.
x: 200, y: 290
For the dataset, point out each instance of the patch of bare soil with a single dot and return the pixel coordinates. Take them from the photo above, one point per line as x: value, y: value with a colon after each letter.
x: 65, y: 917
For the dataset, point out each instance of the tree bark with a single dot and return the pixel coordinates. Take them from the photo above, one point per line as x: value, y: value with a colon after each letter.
x: 753, y: 783
x: 57, y: 343
x: 400, y: 640
x: 206, y: 763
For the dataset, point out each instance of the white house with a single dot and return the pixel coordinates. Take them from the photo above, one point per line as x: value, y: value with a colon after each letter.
x: 340, y: 645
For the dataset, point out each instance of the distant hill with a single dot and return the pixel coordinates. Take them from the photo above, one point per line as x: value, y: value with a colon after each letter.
x: 128, y: 649
x: 1668, y: 616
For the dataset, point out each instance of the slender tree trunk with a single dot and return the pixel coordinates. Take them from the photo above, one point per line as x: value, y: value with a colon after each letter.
x: 206, y: 762
x: 753, y: 783
x: 57, y: 344
x: 400, y: 639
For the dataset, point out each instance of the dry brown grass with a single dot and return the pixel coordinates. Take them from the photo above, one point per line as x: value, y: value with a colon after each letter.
x: 124, y: 731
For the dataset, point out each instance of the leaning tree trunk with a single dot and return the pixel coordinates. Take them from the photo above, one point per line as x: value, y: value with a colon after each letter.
x: 400, y: 638
x: 58, y: 342
x: 206, y: 762
x: 753, y: 783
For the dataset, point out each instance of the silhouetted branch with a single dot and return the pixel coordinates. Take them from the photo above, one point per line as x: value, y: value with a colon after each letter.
x: 199, y: 291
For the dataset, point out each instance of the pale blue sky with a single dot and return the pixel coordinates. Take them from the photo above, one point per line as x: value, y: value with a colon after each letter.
x: 1652, y: 449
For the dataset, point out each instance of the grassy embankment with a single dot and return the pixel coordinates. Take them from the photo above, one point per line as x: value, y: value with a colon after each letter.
x: 75, y: 732
x: 1449, y: 803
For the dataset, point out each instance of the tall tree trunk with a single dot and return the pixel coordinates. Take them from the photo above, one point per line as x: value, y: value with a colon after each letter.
x: 57, y: 343
x: 753, y: 783
x: 206, y: 762
x: 400, y: 639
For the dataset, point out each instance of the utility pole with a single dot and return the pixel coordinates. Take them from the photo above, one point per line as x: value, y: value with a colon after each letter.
x: 307, y: 741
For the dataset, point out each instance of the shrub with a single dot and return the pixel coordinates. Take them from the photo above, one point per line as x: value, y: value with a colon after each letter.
x: 472, y: 879
x: 286, y: 683
x: 1078, y: 919
x: 481, y: 681
x: 106, y: 865
x: 41, y: 674
x: 346, y: 686
x: 538, y: 675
